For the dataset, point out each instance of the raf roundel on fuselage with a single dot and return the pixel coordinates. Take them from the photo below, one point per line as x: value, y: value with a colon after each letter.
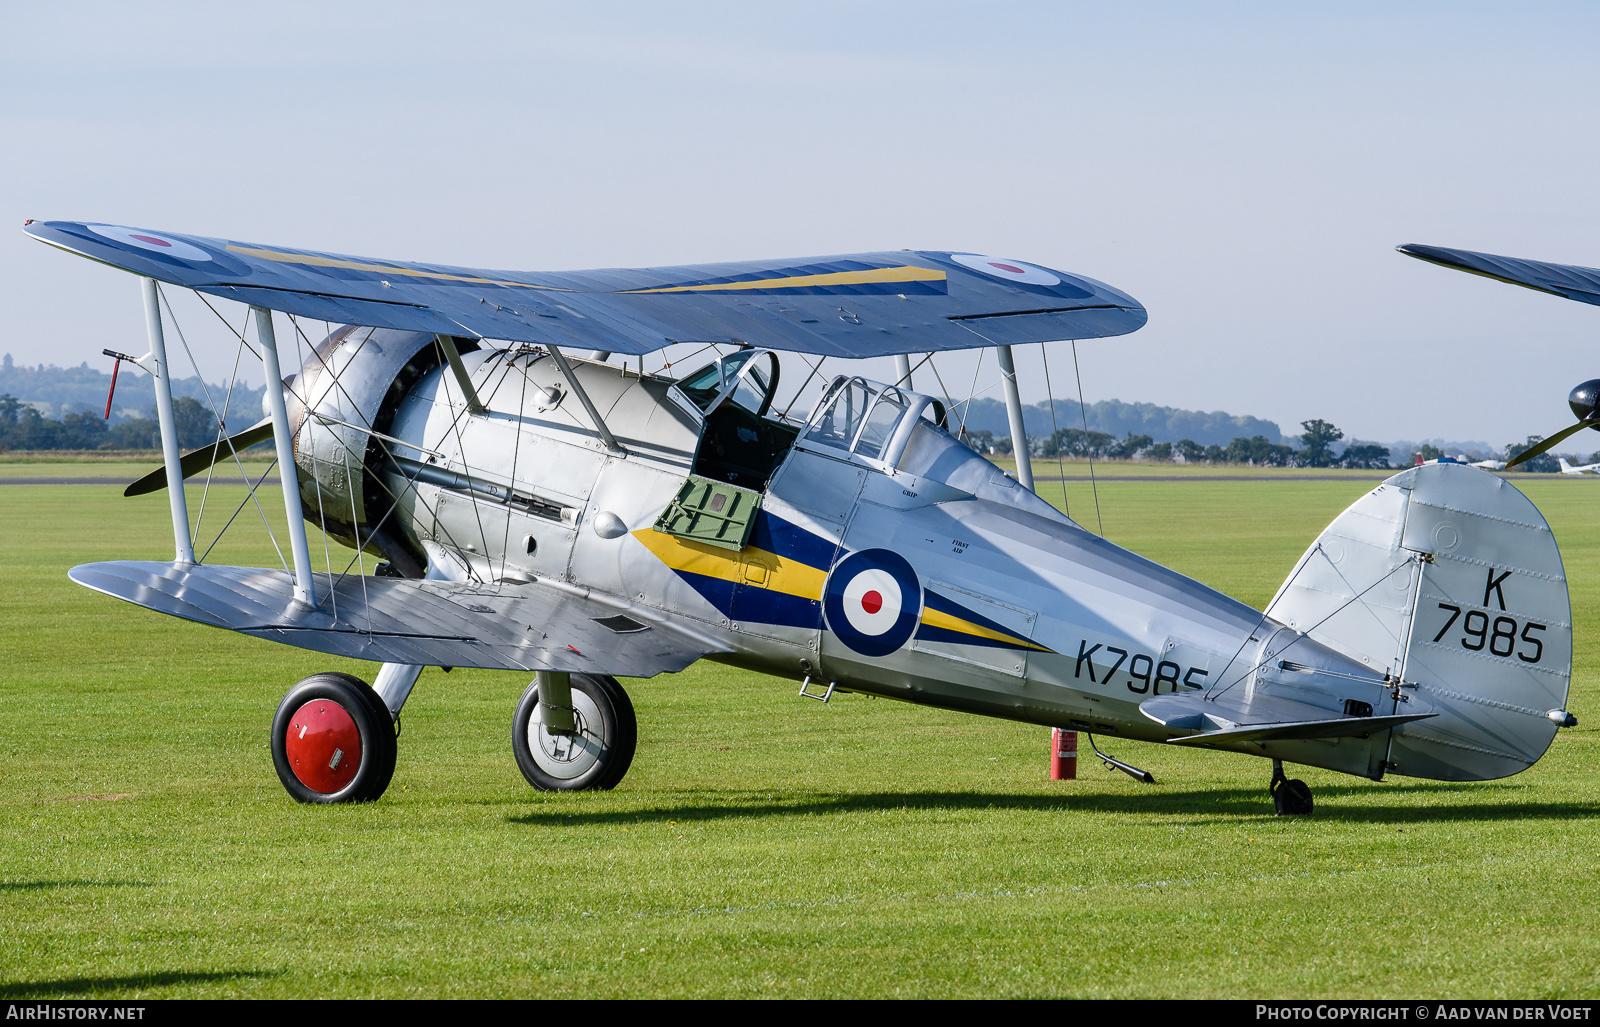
x: 873, y: 601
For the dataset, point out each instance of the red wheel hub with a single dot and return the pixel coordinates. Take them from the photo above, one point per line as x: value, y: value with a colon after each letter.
x: 324, y: 746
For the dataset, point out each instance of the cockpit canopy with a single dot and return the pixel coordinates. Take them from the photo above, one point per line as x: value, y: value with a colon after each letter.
x: 739, y: 378
x: 897, y: 431
x: 869, y: 419
x: 888, y: 428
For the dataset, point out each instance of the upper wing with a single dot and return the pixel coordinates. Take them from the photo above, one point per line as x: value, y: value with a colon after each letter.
x: 1575, y: 283
x: 856, y: 305
x: 524, y: 626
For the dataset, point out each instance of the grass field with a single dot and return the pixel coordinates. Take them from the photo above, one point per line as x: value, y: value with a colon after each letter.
x: 761, y: 845
x: 126, y: 464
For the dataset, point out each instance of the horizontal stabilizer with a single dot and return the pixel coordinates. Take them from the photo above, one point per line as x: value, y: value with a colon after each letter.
x: 524, y: 626
x: 1258, y: 718
x: 849, y: 305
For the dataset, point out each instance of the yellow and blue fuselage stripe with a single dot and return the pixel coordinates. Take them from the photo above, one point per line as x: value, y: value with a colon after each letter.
x: 945, y: 620
x: 776, y: 579
x: 779, y: 577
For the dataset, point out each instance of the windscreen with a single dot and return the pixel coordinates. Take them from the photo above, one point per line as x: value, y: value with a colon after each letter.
x: 842, y: 412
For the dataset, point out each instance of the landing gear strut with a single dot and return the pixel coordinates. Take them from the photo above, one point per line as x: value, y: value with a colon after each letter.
x: 581, y: 740
x: 1290, y: 798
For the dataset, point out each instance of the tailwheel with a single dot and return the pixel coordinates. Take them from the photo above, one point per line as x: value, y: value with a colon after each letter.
x: 1290, y: 797
x: 333, y: 740
x: 592, y: 756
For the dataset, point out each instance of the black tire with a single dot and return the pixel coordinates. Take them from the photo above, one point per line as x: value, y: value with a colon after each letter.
x: 1291, y: 798
x: 365, y: 717
x: 593, y: 758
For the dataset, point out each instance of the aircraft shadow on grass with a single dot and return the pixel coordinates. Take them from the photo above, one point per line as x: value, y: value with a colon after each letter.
x: 6, y: 886
x: 1203, y: 804
x: 76, y: 986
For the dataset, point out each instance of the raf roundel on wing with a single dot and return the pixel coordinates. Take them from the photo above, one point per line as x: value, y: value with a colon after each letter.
x: 1006, y: 269
x: 152, y: 241
x: 873, y: 601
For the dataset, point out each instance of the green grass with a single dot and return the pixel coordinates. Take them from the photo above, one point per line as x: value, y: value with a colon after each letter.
x: 129, y: 464
x: 1048, y: 468
x: 761, y: 845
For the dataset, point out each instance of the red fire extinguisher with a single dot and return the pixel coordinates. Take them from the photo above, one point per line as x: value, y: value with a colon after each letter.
x: 1063, y: 755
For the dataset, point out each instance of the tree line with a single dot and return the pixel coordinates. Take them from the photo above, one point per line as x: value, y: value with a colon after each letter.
x: 23, y: 427
x: 1316, y: 448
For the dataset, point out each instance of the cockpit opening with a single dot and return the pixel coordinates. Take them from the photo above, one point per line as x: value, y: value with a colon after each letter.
x: 741, y: 444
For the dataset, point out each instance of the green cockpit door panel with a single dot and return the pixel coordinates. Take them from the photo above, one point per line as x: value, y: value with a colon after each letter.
x: 712, y: 512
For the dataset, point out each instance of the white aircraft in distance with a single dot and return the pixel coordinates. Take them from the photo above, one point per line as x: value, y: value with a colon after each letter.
x: 578, y: 519
x: 1488, y: 465
x: 1567, y: 468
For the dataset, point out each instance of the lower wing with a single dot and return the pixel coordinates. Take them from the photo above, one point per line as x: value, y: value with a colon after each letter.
x: 522, y: 626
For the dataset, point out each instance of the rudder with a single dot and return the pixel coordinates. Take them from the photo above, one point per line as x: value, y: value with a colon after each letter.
x: 1481, y: 637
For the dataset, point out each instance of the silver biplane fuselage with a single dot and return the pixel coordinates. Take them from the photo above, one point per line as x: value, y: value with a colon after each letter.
x: 885, y: 556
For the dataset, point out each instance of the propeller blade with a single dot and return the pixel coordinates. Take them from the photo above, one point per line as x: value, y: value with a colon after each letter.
x: 193, y: 463
x: 1554, y: 440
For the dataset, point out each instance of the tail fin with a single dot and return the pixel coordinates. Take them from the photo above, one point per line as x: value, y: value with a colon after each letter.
x: 1447, y: 578
x: 1566, y: 468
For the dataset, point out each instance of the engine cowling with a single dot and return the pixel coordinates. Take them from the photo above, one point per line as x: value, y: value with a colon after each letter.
x: 340, y: 404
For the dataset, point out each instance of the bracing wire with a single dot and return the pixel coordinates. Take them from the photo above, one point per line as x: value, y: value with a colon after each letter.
x: 237, y: 333
x: 940, y: 379
x: 322, y: 516
x: 516, y: 456
x: 1083, y: 412
x: 461, y: 447
x: 965, y: 406
x: 355, y: 516
x: 410, y: 482
x: 1055, y: 429
x: 221, y: 418
x: 240, y: 510
x: 254, y: 488
x: 901, y: 382
x: 252, y: 497
x: 233, y: 380
x: 1307, y: 632
x: 802, y: 389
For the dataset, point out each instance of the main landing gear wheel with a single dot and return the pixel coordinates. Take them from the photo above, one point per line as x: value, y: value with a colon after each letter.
x: 1290, y: 798
x: 595, y: 756
x: 333, y: 740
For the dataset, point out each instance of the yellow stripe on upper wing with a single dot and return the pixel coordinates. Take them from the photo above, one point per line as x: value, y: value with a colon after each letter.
x: 314, y: 260
x: 938, y: 619
x: 788, y: 576
x: 874, y: 276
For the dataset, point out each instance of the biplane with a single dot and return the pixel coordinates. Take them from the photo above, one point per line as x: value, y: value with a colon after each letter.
x: 531, y: 510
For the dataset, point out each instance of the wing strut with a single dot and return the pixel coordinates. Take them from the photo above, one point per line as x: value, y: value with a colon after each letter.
x: 1019, y: 434
x: 588, y: 404
x: 169, y: 427
x: 303, y: 588
x: 453, y: 357
x: 902, y: 371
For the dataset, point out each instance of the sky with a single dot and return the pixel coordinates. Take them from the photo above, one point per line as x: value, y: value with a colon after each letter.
x: 1244, y: 170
